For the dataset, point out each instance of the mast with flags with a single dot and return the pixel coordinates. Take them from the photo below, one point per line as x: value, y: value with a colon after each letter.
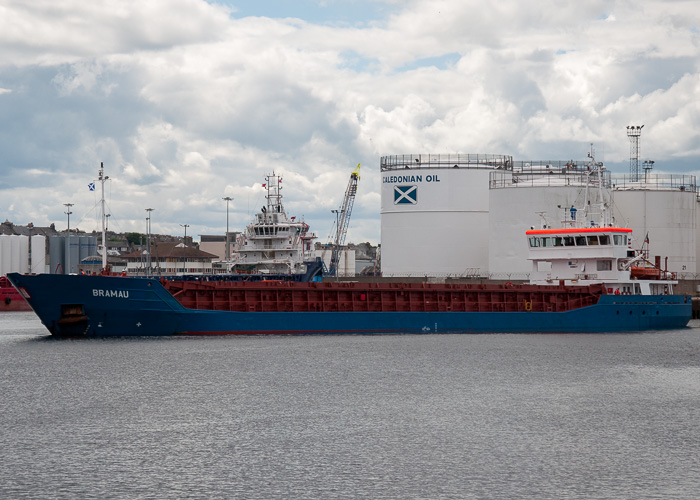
x: 102, y: 178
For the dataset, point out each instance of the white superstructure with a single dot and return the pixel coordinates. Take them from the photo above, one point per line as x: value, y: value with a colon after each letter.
x: 435, y: 213
x: 273, y: 243
x: 591, y: 255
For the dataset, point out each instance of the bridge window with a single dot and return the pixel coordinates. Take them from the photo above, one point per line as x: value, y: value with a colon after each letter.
x: 558, y: 241
x: 592, y: 240
x: 534, y: 242
x: 568, y: 241
x: 604, y: 239
x: 546, y: 241
x: 580, y: 241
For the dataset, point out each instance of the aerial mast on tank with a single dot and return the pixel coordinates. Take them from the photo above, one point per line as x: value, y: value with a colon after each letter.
x: 633, y: 132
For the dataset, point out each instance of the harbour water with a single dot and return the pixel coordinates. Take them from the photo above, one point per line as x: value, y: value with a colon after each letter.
x: 388, y: 416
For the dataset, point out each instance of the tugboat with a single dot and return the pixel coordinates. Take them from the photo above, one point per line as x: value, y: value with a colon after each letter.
x: 275, y: 244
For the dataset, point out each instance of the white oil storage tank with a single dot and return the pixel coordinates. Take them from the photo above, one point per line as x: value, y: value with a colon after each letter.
x: 536, y: 195
x: 661, y: 209
x: 435, y: 213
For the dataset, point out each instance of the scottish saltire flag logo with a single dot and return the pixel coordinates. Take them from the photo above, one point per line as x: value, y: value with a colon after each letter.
x: 91, y: 186
x: 405, y: 194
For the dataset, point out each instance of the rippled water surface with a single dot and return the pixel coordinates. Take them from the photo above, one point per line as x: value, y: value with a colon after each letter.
x: 388, y: 416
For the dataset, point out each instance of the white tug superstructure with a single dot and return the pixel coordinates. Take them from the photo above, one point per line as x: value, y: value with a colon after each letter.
x: 585, y: 252
x: 273, y: 243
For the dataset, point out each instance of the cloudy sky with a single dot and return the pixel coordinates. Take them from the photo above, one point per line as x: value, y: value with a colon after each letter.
x: 188, y: 101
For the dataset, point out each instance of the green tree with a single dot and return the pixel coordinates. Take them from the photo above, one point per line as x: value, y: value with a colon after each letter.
x: 134, y: 238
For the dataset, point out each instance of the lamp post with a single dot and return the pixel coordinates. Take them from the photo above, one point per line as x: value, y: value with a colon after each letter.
x: 148, y: 241
x: 184, y: 247
x: 68, y: 212
x: 228, y: 250
x: 68, y: 205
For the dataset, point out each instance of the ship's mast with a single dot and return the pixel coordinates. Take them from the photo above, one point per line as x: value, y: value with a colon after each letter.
x: 595, y: 169
x: 102, y: 178
x: 273, y: 203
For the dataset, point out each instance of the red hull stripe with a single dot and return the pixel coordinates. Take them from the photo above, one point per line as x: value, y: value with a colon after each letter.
x: 581, y: 230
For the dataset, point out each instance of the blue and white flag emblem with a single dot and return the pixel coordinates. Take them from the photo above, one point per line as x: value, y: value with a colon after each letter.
x: 91, y: 186
x: 405, y: 194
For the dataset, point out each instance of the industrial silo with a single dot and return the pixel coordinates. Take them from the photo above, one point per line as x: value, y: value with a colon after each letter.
x: 435, y: 213
x: 660, y: 208
x: 536, y: 194
x: 5, y: 254
x: 38, y: 252
x: 57, y: 254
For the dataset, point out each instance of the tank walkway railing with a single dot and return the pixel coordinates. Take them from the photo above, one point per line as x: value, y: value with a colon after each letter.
x: 396, y: 162
x: 655, y: 182
x: 547, y: 176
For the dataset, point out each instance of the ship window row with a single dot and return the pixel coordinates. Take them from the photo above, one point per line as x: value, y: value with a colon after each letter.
x: 578, y: 241
x: 272, y: 230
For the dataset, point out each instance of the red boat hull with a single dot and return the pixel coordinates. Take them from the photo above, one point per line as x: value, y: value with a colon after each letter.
x: 10, y: 299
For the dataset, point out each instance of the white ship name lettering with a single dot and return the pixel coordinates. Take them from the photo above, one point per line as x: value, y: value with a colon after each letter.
x: 122, y: 294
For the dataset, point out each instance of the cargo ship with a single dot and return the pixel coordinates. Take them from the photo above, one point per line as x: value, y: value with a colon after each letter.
x: 600, y: 293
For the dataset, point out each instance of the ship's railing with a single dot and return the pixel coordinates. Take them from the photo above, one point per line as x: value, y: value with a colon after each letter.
x: 396, y: 162
x: 470, y: 273
x: 548, y: 173
x: 655, y: 182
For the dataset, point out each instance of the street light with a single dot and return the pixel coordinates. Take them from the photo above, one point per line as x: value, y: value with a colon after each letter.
x: 148, y: 240
x: 228, y: 248
x: 68, y: 205
x: 184, y: 247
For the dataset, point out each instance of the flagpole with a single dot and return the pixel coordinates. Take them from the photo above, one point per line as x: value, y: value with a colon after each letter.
x: 103, y: 178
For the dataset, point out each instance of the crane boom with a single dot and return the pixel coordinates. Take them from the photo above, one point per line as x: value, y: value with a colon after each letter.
x: 344, y: 219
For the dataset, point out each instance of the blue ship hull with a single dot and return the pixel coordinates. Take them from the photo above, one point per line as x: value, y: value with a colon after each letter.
x: 102, y: 306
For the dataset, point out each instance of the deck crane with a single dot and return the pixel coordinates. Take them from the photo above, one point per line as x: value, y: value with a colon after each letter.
x: 343, y: 220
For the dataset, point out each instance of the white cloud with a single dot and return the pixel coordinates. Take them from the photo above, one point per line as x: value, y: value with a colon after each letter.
x: 186, y: 103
